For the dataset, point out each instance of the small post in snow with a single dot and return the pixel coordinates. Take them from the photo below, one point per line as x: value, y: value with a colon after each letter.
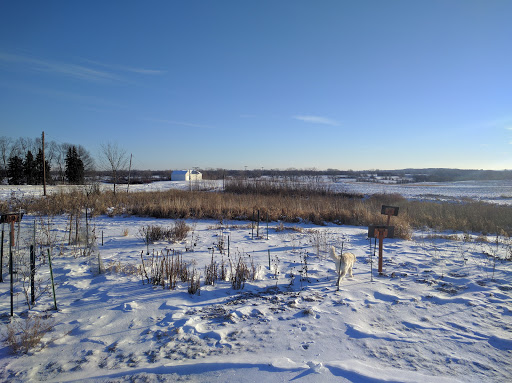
x: 51, y: 276
x: 32, y: 274
x: 267, y: 226
x: 258, y: 225
x: 2, y: 256
x: 11, y: 218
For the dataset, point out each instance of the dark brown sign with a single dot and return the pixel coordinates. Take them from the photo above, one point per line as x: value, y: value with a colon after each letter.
x: 374, y: 231
x: 389, y: 210
x: 11, y: 217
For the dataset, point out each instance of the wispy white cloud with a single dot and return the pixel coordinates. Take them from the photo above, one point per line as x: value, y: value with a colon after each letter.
x: 59, y: 68
x: 316, y: 120
x: 124, y: 68
x: 82, y: 98
x: 92, y: 71
x: 179, y: 123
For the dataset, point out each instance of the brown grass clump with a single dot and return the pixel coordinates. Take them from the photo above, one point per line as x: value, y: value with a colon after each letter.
x: 241, y: 272
x: 176, y: 233
x: 25, y: 334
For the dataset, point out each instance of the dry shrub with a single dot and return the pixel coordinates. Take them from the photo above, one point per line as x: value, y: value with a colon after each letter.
x: 194, y: 284
x: 154, y: 233
x: 240, y: 275
x: 122, y: 268
x: 402, y: 230
x: 180, y: 231
x: 211, y: 273
x: 176, y: 233
x: 277, y: 187
x: 448, y: 237
x: 25, y: 334
x: 280, y: 227
x: 242, y: 272
x: 164, y: 268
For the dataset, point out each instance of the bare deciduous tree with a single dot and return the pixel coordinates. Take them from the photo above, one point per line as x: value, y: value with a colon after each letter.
x: 113, y: 159
x: 86, y: 158
x: 5, y: 144
x: 24, y: 144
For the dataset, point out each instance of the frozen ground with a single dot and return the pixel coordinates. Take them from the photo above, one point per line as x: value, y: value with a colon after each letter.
x: 439, y: 314
x: 499, y: 192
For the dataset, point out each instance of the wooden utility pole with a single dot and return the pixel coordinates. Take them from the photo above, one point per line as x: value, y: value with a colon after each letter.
x: 129, y: 173
x: 44, y: 169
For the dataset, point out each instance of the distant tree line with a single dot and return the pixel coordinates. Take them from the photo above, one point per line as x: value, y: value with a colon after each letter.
x: 64, y: 162
x: 27, y: 170
x: 416, y: 175
x: 21, y: 162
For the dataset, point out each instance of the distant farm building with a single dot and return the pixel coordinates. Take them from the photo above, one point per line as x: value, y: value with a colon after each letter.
x: 186, y: 175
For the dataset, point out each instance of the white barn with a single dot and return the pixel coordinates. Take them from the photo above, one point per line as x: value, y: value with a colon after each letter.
x: 186, y: 175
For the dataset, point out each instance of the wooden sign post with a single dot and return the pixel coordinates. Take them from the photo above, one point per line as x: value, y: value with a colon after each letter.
x: 383, y: 231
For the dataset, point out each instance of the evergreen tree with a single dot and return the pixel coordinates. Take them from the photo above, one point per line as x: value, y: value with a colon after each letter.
x: 15, y: 171
x: 29, y: 168
x: 74, y: 167
x: 39, y: 168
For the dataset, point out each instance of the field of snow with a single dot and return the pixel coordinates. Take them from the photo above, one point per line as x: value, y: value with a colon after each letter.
x: 442, y: 311
x: 499, y: 192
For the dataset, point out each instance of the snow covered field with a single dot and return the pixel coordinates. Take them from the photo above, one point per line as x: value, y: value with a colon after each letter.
x: 499, y: 192
x: 441, y: 313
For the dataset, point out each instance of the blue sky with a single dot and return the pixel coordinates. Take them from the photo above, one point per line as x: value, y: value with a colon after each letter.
x: 273, y: 84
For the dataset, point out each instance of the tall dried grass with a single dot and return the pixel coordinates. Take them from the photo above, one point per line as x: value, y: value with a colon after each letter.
x: 285, y: 205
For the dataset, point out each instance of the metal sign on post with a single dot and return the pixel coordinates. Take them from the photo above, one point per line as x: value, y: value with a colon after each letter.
x: 11, y: 218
